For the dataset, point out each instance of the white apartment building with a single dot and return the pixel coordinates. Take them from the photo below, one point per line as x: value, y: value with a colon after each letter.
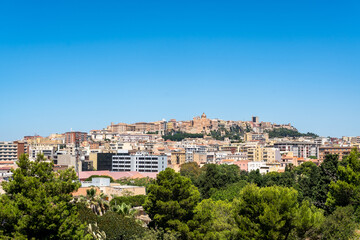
x: 135, y: 137
x: 140, y: 162
x: 253, y: 166
x: 47, y: 150
x: 299, y: 149
x: 8, y: 151
x: 191, y: 149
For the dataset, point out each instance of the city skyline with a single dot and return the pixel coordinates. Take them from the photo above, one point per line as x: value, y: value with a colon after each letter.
x: 199, y: 116
x: 83, y: 65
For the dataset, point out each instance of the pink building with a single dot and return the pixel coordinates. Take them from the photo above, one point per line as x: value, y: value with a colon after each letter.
x: 243, y: 164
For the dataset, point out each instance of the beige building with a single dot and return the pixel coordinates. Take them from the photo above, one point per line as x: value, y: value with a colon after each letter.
x: 178, y: 157
x: 262, y: 154
x: 340, y: 151
x: 249, y: 137
x: 199, y: 157
x: 103, y: 185
x: 116, y: 189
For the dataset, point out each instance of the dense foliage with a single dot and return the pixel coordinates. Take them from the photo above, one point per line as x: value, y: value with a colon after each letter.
x: 233, y: 133
x: 284, y: 132
x: 304, y: 202
x: 211, y: 202
x: 171, y: 201
x: 216, y: 177
x: 179, y: 136
x: 37, y: 202
x: 134, y: 201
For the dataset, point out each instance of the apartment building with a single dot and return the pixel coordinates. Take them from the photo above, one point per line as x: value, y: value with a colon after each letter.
x: 140, y: 162
x: 299, y: 149
x: 178, y: 157
x: 243, y: 165
x: 340, y: 151
x: 263, y: 154
x: 191, y: 149
x: 136, y: 137
x: 102, y: 161
x: 262, y: 137
x: 75, y: 137
x: 10, y: 151
x: 253, y: 166
x: 47, y: 150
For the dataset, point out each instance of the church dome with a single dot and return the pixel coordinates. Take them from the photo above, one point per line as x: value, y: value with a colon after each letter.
x: 203, y: 115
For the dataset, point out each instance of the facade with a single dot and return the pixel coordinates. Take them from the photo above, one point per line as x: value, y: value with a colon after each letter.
x: 271, y: 155
x: 299, y: 149
x: 138, y: 162
x: 11, y: 151
x: 47, y: 150
x: 340, y: 151
x: 200, y: 157
x: 243, y: 165
x: 103, y: 185
x: 253, y: 166
x: 103, y: 161
x: 263, y: 137
x: 191, y: 149
x: 8, y: 151
x: 135, y: 137
x: 261, y: 154
x: 75, y: 137
x: 178, y: 157
x: 66, y: 160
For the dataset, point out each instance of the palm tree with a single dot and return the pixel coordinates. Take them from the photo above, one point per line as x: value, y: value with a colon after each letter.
x: 95, y: 232
x: 124, y: 210
x: 90, y: 193
x: 97, y: 203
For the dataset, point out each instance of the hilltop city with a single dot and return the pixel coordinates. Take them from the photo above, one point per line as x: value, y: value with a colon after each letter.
x: 251, y: 145
x: 197, y: 179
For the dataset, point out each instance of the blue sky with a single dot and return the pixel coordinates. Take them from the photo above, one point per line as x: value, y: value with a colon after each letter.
x: 84, y: 64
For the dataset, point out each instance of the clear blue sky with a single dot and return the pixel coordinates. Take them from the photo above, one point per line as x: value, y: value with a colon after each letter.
x: 84, y: 64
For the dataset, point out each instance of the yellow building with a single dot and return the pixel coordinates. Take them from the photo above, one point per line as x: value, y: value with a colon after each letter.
x: 178, y: 157
x: 261, y: 154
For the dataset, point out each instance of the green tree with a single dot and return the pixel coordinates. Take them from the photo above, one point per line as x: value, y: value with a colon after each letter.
x: 272, y: 213
x: 124, y: 210
x: 284, y: 132
x: 190, y: 170
x: 308, y: 176
x: 216, y: 177
x: 328, y: 173
x: 97, y: 203
x: 256, y: 178
x: 213, y: 220
x: 230, y: 192
x: 179, y: 136
x: 36, y: 203
x: 308, y: 222
x: 171, y: 201
x: 134, y: 201
x: 119, y: 227
x: 345, y: 189
x: 340, y: 224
